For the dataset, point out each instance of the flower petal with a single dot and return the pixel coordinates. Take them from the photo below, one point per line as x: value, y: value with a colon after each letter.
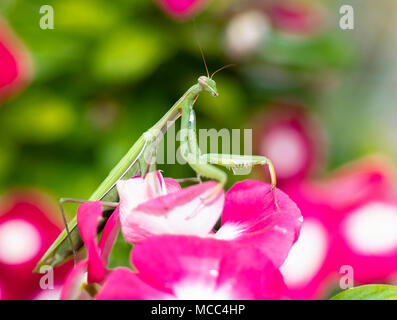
x: 123, y: 284
x: 366, y: 240
x: 349, y: 220
x: 205, y: 268
x: 132, y: 192
x: 109, y: 235
x: 299, y: 17
x: 182, y: 9
x: 88, y: 215
x: 28, y: 226
x: 72, y: 288
x: 15, y: 62
x: 172, y: 185
x: 355, y: 182
x: 187, y: 211
x: 250, y: 216
x: 165, y: 261
x: 250, y: 275
x: 293, y: 139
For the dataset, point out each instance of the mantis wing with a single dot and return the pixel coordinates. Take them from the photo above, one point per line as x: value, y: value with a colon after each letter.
x: 61, y: 250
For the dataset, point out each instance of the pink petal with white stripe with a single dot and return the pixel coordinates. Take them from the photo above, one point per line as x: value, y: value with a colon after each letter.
x: 148, y: 209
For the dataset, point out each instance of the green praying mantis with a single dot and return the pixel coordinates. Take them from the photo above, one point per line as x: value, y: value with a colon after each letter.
x: 138, y: 161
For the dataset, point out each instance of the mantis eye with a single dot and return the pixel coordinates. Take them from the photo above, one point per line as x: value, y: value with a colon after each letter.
x: 202, y: 81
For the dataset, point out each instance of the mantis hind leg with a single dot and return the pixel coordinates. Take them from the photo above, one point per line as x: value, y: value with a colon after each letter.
x: 238, y: 161
x: 62, y: 201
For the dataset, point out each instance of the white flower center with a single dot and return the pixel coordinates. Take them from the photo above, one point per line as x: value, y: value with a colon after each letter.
x: 245, y: 33
x: 307, y: 255
x: 229, y: 231
x: 372, y: 229
x: 195, y: 290
x: 19, y: 241
x: 286, y: 148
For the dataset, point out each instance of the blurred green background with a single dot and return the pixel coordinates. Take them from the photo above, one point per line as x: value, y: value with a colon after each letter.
x: 110, y: 69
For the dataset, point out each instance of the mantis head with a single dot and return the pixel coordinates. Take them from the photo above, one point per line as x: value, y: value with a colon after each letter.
x: 209, y: 85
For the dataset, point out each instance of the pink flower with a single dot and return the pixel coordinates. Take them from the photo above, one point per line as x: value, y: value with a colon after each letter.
x: 293, y: 140
x: 27, y: 228
x: 185, y: 267
x: 182, y: 9
x: 15, y: 63
x: 154, y: 206
x: 298, y: 16
x: 350, y: 220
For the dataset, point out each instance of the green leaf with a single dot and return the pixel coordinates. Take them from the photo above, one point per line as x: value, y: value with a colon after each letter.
x: 89, y: 17
x: 130, y: 54
x: 39, y: 116
x: 308, y: 53
x: 368, y: 292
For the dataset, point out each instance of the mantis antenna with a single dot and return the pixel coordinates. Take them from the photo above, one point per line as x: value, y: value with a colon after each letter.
x: 201, y: 49
x: 222, y: 68
x: 203, y: 57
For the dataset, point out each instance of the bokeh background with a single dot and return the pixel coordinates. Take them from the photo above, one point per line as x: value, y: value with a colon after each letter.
x: 318, y: 98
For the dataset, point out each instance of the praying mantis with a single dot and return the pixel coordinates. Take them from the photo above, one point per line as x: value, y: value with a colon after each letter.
x: 138, y: 158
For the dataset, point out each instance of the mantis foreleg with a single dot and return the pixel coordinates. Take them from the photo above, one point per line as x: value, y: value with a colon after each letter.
x: 232, y: 161
x: 191, y: 151
x: 203, y: 163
